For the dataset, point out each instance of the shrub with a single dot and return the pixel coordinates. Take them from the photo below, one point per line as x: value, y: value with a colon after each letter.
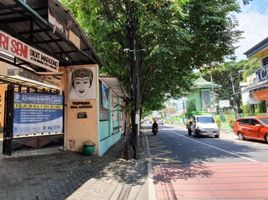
x: 191, y: 108
x: 218, y: 121
x: 261, y: 107
x: 246, y: 109
x: 231, y: 123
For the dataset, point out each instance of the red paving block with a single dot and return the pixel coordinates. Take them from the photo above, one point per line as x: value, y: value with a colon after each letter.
x: 212, y: 181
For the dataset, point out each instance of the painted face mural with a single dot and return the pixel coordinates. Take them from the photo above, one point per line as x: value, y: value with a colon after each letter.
x: 82, y: 80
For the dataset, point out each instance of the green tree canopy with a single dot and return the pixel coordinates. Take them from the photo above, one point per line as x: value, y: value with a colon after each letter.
x: 177, y: 35
x: 223, y: 74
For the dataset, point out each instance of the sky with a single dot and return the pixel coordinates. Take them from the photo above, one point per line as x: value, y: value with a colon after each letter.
x: 253, y: 20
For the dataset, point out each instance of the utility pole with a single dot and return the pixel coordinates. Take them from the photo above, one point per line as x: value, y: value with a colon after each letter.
x: 234, y: 97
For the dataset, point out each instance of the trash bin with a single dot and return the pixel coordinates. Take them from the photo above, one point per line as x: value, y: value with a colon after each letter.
x: 88, y: 149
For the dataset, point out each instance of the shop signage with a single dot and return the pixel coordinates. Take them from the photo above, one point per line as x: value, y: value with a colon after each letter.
x: 224, y: 103
x: 81, y: 105
x: 27, y: 53
x: 37, y: 113
x: 262, y: 73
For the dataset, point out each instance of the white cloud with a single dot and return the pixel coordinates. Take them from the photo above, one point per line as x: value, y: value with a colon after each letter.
x: 254, y: 25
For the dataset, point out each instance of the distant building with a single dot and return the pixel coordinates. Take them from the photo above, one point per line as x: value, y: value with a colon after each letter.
x: 202, y: 99
x: 257, y: 88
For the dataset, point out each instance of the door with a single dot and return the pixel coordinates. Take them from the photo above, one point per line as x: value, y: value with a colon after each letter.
x: 254, y: 130
x: 244, y: 127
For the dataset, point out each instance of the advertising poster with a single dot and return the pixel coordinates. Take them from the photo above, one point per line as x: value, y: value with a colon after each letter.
x: 83, y: 86
x: 37, y: 113
x: 105, y: 96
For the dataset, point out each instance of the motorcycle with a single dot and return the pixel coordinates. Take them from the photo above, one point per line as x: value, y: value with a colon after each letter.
x: 155, y: 130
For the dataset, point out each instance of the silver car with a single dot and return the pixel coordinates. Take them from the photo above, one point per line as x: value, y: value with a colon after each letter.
x: 203, y: 125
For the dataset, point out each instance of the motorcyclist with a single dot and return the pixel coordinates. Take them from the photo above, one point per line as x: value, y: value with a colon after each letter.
x: 155, y: 126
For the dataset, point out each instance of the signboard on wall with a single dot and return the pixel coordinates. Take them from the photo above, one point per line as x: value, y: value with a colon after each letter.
x: 82, y: 83
x: 262, y: 73
x: 224, y: 103
x: 37, y: 113
x: 27, y: 53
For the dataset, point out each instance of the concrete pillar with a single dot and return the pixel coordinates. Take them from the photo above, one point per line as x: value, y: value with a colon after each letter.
x: 81, y: 86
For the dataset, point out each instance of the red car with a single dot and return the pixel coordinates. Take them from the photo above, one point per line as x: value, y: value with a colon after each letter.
x: 252, y: 128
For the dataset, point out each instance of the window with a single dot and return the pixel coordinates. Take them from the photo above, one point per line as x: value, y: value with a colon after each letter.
x: 205, y: 120
x: 265, y: 61
x: 264, y: 120
x: 244, y: 121
x: 253, y: 122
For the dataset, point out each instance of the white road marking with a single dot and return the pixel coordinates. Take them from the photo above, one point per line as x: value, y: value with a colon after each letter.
x: 151, y: 188
x: 234, y: 154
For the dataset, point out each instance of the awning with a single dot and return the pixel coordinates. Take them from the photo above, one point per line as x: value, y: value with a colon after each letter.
x: 18, y: 80
x: 257, y: 86
x: 48, y: 27
x: 257, y: 48
x: 115, y: 86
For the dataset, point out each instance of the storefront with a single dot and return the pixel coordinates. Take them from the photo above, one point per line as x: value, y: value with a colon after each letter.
x: 258, y: 89
x: 43, y: 39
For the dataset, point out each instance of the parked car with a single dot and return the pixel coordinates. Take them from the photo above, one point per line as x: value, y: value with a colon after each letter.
x: 252, y: 128
x: 203, y: 125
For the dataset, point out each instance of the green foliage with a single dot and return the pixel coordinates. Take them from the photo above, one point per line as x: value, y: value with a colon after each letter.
x: 250, y: 67
x: 246, y: 109
x: 191, y: 108
x: 231, y: 123
x: 177, y: 36
x: 218, y: 121
x: 221, y: 74
x: 261, y: 108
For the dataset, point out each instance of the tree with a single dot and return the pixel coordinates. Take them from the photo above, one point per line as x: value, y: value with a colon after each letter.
x: 177, y: 36
x: 221, y: 74
x: 250, y: 67
x: 191, y: 108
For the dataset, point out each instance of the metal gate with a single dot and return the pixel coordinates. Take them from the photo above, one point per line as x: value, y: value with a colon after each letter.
x: 25, y: 102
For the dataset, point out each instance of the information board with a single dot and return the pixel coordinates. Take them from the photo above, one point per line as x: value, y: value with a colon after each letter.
x: 37, y: 113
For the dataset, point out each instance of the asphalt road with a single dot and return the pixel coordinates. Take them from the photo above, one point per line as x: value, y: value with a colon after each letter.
x: 185, y: 167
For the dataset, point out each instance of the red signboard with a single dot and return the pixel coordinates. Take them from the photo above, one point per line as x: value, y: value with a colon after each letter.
x: 27, y: 53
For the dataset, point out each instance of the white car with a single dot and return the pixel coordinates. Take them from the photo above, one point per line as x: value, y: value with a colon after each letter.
x: 204, y: 125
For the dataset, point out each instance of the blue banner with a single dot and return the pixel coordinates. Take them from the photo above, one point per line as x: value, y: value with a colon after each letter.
x: 105, y: 96
x: 37, y: 113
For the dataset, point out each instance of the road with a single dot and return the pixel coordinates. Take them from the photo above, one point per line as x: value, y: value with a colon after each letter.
x: 184, y: 167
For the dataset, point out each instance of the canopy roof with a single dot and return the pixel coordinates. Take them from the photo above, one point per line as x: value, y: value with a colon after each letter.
x: 201, y: 83
x: 115, y: 86
x: 48, y: 27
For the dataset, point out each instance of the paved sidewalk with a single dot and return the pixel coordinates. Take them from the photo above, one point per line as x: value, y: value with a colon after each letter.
x: 72, y: 176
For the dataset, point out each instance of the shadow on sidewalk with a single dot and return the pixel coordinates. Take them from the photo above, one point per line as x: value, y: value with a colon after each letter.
x: 57, y: 176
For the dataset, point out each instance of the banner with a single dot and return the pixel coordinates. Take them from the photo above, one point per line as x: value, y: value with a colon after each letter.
x: 27, y: 53
x: 37, y: 113
x: 104, y: 96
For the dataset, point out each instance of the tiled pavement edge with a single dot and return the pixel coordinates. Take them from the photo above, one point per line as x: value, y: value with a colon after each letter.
x: 73, y: 176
